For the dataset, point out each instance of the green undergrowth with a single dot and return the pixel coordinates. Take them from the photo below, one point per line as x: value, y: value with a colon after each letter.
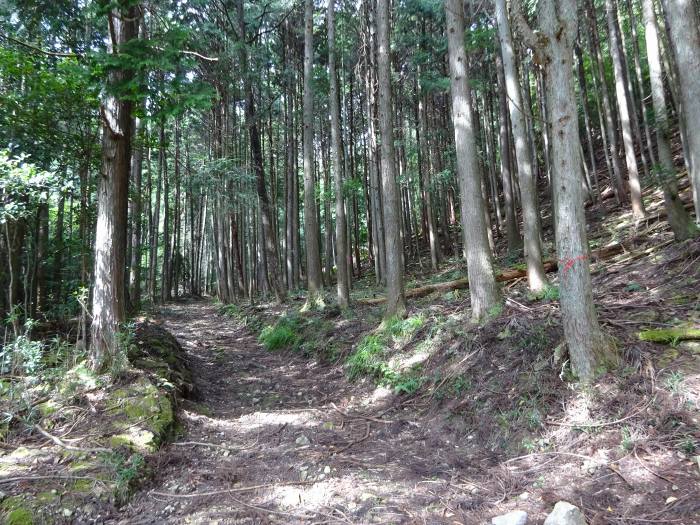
x: 131, y: 415
x: 311, y: 333
x: 373, y: 355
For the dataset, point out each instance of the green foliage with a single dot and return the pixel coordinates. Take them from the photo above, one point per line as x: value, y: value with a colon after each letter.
x: 548, y: 293
x: 688, y: 444
x: 126, y: 470
x: 126, y: 338
x: 283, y: 334
x: 368, y: 359
x: 23, y: 355
x: 371, y: 358
x: 493, y: 312
x: 230, y: 310
x: 633, y: 286
x: 627, y: 440
x: 527, y: 413
x: 673, y: 381
x: 407, y: 383
x: 23, y: 186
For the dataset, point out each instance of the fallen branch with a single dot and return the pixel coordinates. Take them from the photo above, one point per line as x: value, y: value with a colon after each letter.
x: 65, y: 445
x: 227, y: 491
x: 669, y: 335
x: 202, y: 444
x: 361, y: 416
x: 601, y: 424
x: 505, y: 276
x: 352, y: 443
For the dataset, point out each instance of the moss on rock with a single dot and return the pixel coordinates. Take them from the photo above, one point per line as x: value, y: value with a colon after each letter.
x: 147, y: 416
x: 157, y: 352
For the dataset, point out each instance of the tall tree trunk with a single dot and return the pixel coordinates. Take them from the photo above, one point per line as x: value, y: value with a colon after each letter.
x: 42, y: 246
x: 684, y: 28
x: 587, y: 119
x: 154, y: 234
x: 59, y: 246
x: 588, y: 346
x: 528, y: 190
x: 311, y: 233
x: 251, y: 122
x: 624, y: 106
x: 108, y: 304
x: 512, y: 232
x: 610, y: 131
x: 136, y: 206
x: 482, y: 281
x: 678, y: 218
x: 166, y: 276
x: 396, y: 301
x: 341, y: 238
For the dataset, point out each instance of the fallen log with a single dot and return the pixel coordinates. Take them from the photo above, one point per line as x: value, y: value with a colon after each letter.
x: 669, y: 335
x: 505, y: 276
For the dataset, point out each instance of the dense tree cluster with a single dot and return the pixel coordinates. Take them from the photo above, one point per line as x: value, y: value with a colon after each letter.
x: 157, y: 148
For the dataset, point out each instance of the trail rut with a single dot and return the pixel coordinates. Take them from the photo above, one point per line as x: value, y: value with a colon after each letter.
x: 278, y: 438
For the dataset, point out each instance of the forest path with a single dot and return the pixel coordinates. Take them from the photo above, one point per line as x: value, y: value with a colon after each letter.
x: 275, y: 421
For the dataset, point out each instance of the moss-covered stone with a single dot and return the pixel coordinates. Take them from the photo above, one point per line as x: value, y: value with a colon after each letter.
x: 77, y: 379
x: 147, y: 416
x: 157, y: 352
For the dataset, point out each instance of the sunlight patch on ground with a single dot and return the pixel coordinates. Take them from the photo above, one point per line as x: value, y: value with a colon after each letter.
x: 313, y: 496
x: 266, y: 419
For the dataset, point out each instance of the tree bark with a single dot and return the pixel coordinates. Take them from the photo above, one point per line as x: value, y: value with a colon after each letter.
x: 512, y: 232
x: 684, y: 28
x: 341, y: 241
x: 108, y: 304
x: 588, y: 346
x: 251, y: 121
x: 624, y: 107
x: 483, y: 289
x: 610, y: 131
x: 396, y: 301
x: 311, y: 233
x: 135, y: 213
x: 678, y: 218
x: 531, y: 223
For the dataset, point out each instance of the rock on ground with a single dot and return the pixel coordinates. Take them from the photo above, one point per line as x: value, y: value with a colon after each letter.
x: 517, y: 517
x: 565, y: 513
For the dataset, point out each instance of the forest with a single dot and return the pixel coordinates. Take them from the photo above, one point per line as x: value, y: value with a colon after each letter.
x: 371, y: 261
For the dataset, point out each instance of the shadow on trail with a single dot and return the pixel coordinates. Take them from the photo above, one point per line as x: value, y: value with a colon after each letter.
x: 268, y: 443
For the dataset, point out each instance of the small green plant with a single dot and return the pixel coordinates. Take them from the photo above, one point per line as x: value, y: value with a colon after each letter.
x: 688, y: 445
x: 230, y: 310
x: 22, y: 354
x: 406, y: 384
x: 126, y: 338
x: 627, y: 441
x: 126, y: 470
x: 548, y: 293
x: 536, y: 340
x: 367, y: 359
x: 529, y: 445
x: 673, y: 381
x: 634, y: 287
x: 282, y: 335
x: 461, y: 385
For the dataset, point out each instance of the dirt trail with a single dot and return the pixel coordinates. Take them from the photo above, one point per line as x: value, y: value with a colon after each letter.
x: 291, y: 427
